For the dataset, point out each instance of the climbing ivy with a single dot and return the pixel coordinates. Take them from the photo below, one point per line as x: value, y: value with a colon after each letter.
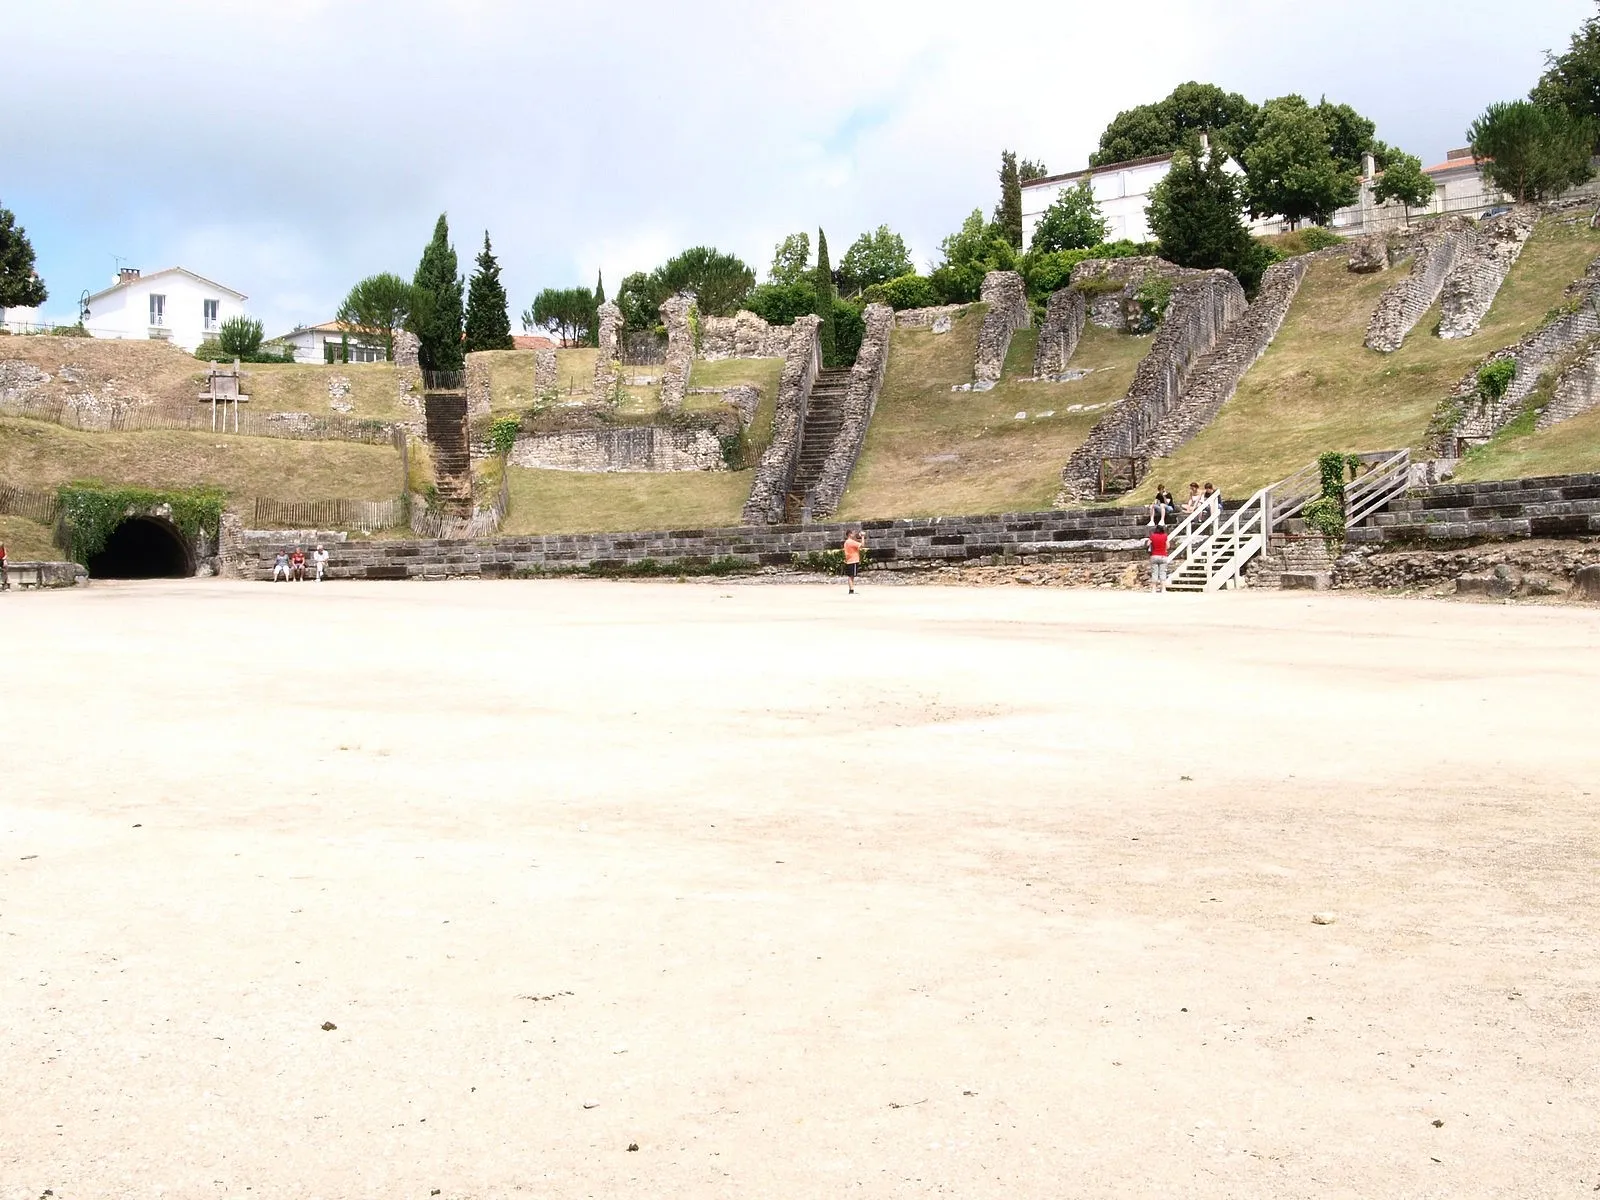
x: 1325, y: 514
x: 1495, y: 377
x: 90, y: 512
x: 503, y: 434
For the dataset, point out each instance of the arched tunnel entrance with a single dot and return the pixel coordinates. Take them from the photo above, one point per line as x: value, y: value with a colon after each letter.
x: 144, y: 548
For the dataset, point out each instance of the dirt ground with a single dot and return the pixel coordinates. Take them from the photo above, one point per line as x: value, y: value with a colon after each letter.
x: 467, y: 889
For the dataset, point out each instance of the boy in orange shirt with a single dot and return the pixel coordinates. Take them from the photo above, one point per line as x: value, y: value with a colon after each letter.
x: 854, y: 544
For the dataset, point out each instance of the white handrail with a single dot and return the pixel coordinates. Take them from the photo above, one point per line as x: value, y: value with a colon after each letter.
x: 1364, y: 496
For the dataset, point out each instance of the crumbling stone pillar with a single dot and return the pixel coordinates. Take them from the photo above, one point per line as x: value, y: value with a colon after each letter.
x: 546, y: 378
x: 680, y: 348
x: 408, y: 372
x: 608, y: 363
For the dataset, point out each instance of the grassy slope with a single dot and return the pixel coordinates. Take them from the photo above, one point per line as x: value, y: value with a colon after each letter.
x: 303, y: 387
x: 931, y: 450
x: 763, y: 373
x: 1318, y: 388
x: 27, y: 541
x: 1570, y: 447
x: 511, y: 379
x: 34, y: 454
x: 569, y: 502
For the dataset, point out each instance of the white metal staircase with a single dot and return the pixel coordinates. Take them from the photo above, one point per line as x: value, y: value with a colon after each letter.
x: 1208, y: 551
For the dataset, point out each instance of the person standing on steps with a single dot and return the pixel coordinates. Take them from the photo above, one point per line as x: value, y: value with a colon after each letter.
x: 1157, y: 541
x: 854, y: 544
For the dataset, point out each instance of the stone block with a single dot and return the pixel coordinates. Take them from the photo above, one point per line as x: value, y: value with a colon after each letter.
x: 1586, y: 583
x: 1313, y: 581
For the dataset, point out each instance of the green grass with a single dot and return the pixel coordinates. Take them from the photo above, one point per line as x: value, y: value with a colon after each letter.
x: 34, y: 454
x: 1318, y: 388
x: 1570, y: 447
x: 763, y: 373
x: 28, y: 541
x: 571, y: 502
x: 931, y: 451
x: 303, y: 387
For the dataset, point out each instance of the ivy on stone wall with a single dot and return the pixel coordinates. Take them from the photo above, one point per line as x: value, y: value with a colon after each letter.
x: 89, y: 513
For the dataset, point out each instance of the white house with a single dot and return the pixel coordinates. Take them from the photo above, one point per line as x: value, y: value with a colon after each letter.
x: 19, y: 320
x: 1122, y: 190
x: 333, y: 342
x: 173, y: 305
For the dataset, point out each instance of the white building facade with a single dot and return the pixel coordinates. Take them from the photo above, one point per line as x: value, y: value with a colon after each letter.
x: 174, y: 305
x: 19, y: 320
x: 332, y: 342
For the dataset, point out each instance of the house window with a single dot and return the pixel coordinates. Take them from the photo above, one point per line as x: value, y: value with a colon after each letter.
x: 158, y: 310
x: 211, y: 313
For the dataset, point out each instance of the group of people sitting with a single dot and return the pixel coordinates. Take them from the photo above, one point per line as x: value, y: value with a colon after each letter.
x: 1163, y: 509
x: 293, y: 566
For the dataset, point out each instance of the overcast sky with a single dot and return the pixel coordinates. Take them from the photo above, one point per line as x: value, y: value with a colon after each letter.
x: 289, y: 147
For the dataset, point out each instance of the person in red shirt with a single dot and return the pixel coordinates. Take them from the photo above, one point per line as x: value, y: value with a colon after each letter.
x: 5, y: 582
x: 1157, y: 541
x: 297, y: 565
x: 854, y: 544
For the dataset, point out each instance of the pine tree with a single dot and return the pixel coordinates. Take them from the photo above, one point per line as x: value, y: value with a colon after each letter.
x: 822, y: 281
x: 436, y: 315
x: 1008, y: 213
x: 488, y: 321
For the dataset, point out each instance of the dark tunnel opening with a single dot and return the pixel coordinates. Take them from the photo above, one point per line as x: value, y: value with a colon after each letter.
x: 143, y: 548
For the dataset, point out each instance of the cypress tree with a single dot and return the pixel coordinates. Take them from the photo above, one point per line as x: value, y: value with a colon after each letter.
x: 488, y: 322
x: 1008, y: 214
x: 822, y: 282
x: 599, y: 299
x: 436, y: 315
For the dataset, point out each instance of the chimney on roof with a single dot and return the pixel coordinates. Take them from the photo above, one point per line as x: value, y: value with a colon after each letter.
x: 127, y: 274
x: 1369, y: 167
x: 1464, y: 152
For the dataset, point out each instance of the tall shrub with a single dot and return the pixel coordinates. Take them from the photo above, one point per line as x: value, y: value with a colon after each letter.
x: 822, y: 283
x: 1008, y: 213
x: 436, y: 313
x: 488, y: 323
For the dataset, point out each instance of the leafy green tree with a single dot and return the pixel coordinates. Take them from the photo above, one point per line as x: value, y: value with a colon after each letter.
x: 1572, y: 80
x: 1291, y: 167
x: 822, y: 284
x: 240, y: 337
x: 1403, y: 180
x: 1197, y: 211
x: 1028, y: 170
x: 1349, y: 134
x: 969, y: 254
x: 789, y: 259
x: 719, y: 281
x: 436, y: 313
x: 1163, y: 127
x: 1531, y: 150
x: 488, y: 323
x: 849, y: 327
x: 1008, y: 213
x: 906, y: 291
x: 564, y: 313
x: 875, y: 257
x: 781, y: 303
x: 634, y: 298
x: 380, y: 303
x: 20, y: 285
x: 1072, y: 221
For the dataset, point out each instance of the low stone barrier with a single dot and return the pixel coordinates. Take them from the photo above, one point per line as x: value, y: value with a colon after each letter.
x: 1480, y: 269
x: 1065, y: 315
x: 866, y: 381
x: 1434, y: 248
x: 1007, y: 299
x: 1198, y: 313
x: 1547, y: 506
x: 1111, y: 288
x: 743, y: 335
x: 936, y: 318
x: 621, y: 448
x: 27, y: 573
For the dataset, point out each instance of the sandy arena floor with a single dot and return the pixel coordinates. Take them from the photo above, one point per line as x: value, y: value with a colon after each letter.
x: 979, y: 893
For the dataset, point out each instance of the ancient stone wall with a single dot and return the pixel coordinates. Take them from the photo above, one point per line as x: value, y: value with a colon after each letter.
x: 1216, y: 376
x: 1480, y: 269
x: 1477, y: 418
x: 1064, y: 317
x: 1520, y: 567
x: 608, y: 361
x: 477, y: 384
x: 407, y: 371
x: 1008, y: 311
x: 1111, y: 288
x: 743, y: 335
x: 866, y: 380
x: 1369, y: 254
x: 776, y: 469
x: 680, y: 349
x: 1577, y: 390
x: 1200, y: 310
x: 937, y: 318
x: 546, y: 375
x: 1434, y: 249
x: 621, y: 448
x: 1547, y: 506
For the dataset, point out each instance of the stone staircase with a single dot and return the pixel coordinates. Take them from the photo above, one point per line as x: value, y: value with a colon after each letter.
x: 450, y: 445
x: 824, y: 414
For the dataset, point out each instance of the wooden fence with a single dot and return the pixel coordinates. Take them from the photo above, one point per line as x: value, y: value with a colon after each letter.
x: 484, y: 522
x: 121, y: 418
x: 35, y: 506
x: 366, y: 515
